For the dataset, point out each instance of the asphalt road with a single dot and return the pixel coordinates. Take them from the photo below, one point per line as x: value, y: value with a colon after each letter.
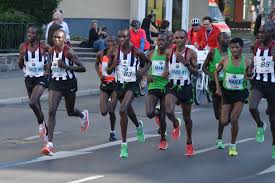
x: 89, y: 157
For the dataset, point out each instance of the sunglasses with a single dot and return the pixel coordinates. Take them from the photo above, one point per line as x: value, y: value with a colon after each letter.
x: 195, y: 25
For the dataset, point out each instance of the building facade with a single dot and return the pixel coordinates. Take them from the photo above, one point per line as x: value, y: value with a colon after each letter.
x: 116, y: 14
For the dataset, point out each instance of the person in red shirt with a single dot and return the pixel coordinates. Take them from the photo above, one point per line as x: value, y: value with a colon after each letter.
x: 193, y: 32
x: 208, y: 34
x: 138, y: 36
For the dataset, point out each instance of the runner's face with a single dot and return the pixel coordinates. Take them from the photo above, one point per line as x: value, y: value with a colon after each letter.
x: 109, y: 43
x: 236, y: 49
x: 59, y: 38
x: 123, y: 38
x: 225, y: 40
x: 264, y: 36
x: 180, y: 39
x: 161, y: 41
x: 32, y: 34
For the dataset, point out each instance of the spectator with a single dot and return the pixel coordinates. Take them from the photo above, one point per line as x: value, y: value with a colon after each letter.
x: 193, y: 32
x: 164, y: 26
x: 259, y: 22
x: 272, y: 16
x: 208, y: 34
x: 138, y: 36
x: 96, y: 36
x: 148, y: 27
x: 55, y: 25
x: 58, y: 16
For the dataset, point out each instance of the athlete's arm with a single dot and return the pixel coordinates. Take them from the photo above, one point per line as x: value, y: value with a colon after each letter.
x: 21, y: 56
x: 206, y: 63
x: 273, y: 53
x: 113, y: 61
x: 143, y: 58
x: 216, y: 76
x: 98, y: 60
x: 72, y: 57
x: 192, y: 65
x: 148, y: 76
x: 248, y: 70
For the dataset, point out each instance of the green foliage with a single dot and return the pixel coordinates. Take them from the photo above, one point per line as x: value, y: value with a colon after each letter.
x: 15, y: 16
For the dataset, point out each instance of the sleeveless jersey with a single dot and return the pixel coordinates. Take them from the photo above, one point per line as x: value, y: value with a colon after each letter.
x: 34, y: 62
x: 60, y: 73
x: 103, y: 68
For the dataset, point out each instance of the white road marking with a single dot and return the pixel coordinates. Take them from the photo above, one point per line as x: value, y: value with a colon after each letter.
x: 227, y: 144
x: 193, y: 110
x: 87, y: 178
x: 37, y: 136
x: 269, y: 170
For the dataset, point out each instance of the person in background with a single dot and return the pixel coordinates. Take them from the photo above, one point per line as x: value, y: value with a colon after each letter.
x: 95, y: 36
x: 138, y: 36
x: 59, y: 17
x: 259, y: 22
x: 146, y: 24
x: 193, y: 32
x: 55, y: 25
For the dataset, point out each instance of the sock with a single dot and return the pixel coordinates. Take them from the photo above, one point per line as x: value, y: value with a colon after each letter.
x: 50, y: 144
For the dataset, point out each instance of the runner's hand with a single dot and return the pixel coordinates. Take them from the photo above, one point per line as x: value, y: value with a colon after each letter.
x: 165, y: 74
x: 150, y: 78
x: 61, y: 64
x: 219, y: 92
x: 181, y: 59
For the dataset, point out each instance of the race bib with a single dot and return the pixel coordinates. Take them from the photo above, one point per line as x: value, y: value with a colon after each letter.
x: 158, y: 67
x: 201, y: 55
x: 264, y: 64
x: 234, y: 81
x: 178, y: 71
x: 34, y: 67
x: 104, y: 66
x: 57, y: 69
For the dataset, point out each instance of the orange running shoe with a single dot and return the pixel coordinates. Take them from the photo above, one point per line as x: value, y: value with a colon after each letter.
x: 47, y: 150
x: 163, y: 145
x: 189, y: 150
x: 176, y: 131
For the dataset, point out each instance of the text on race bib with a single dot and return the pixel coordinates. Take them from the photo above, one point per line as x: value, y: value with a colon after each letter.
x: 264, y: 64
x: 178, y: 71
x: 158, y: 67
x: 234, y: 81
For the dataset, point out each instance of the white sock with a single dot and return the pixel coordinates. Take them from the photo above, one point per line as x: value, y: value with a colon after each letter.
x: 84, y: 115
x: 124, y: 143
x: 112, y: 131
x: 50, y: 144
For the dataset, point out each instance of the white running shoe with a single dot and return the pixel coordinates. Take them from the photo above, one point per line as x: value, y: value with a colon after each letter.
x: 84, y: 123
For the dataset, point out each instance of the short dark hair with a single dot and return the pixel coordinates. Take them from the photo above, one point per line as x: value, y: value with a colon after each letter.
x: 164, y: 24
x: 207, y: 18
x: 237, y: 40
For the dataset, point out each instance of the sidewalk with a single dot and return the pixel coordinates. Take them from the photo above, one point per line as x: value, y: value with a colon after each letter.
x: 13, y: 90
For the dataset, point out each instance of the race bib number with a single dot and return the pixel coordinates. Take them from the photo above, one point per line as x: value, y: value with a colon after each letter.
x: 158, y: 67
x: 264, y: 64
x: 178, y: 71
x: 57, y: 69
x: 234, y: 81
x: 201, y: 56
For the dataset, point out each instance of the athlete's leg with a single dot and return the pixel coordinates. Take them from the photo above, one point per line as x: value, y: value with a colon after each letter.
x: 217, y: 110
x: 112, y: 107
x: 271, y: 108
x: 70, y: 106
x: 170, y: 103
x: 124, y: 107
x: 225, y: 111
x: 186, y: 111
x: 34, y: 102
x: 151, y: 103
x: 235, y: 114
x: 162, y: 118
x: 103, y: 102
x: 54, y: 100
x: 132, y: 115
x: 254, y: 100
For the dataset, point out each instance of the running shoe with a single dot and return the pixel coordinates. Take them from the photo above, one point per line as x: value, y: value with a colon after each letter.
x: 124, y: 150
x: 176, y: 131
x: 157, y: 118
x: 84, y: 123
x: 47, y: 149
x: 220, y: 144
x: 260, y: 134
x: 140, y: 132
x: 232, y: 150
x: 42, y: 131
x: 273, y: 152
x: 163, y: 145
x: 112, y: 136
x: 189, y: 150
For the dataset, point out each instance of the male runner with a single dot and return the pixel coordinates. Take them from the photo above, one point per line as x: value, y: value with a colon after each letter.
x: 263, y: 81
x: 234, y: 91
x: 157, y: 78
x: 107, y: 87
x: 182, y: 62
x: 126, y: 63
x: 209, y: 66
x: 63, y: 83
x: 32, y: 61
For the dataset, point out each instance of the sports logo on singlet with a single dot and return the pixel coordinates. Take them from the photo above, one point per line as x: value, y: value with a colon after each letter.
x: 158, y: 67
x: 234, y: 81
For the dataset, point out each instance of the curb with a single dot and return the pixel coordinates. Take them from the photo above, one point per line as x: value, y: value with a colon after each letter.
x: 22, y: 100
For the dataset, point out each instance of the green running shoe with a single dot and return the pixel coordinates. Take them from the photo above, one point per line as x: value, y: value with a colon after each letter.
x: 233, y: 150
x: 124, y: 150
x: 140, y: 133
x: 260, y: 134
x: 273, y: 152
x: 220, y: 144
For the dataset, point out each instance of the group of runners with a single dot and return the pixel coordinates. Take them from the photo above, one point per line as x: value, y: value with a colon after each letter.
x: 168, y: 68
